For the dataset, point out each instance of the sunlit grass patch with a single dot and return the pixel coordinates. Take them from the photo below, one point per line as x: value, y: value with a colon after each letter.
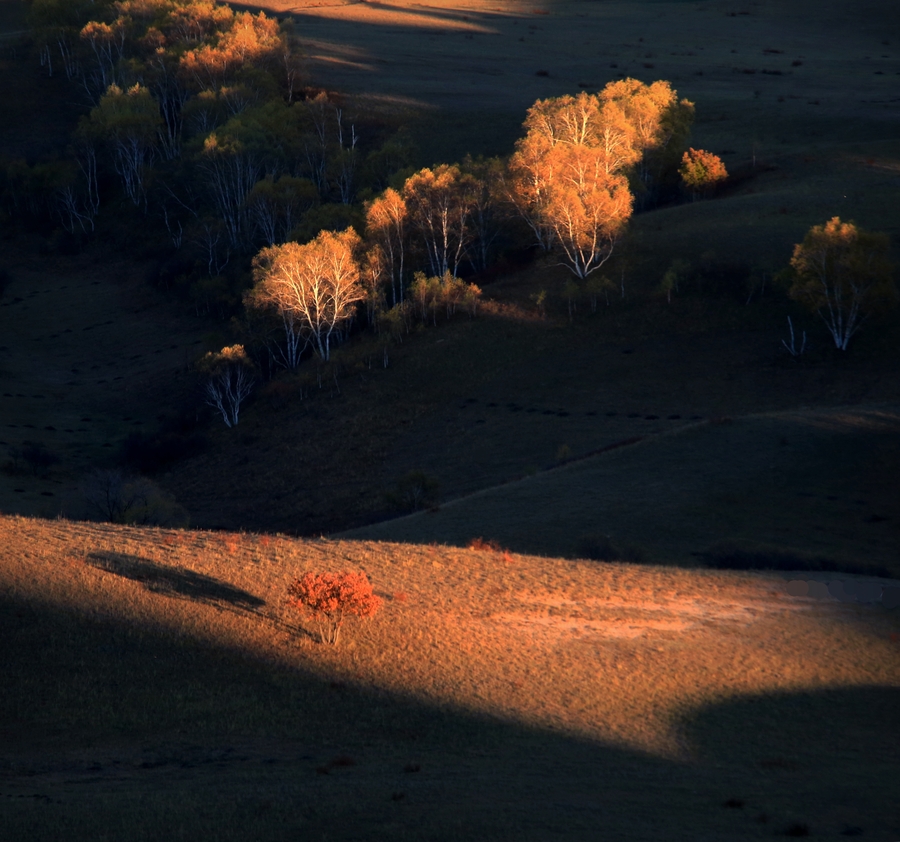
x: 169, y: 640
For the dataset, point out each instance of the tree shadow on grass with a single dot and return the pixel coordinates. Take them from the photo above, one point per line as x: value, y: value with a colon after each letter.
x: 174, y: 581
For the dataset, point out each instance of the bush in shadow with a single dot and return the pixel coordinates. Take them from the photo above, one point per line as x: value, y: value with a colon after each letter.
x: 413, y: 491
x: 119, y: 498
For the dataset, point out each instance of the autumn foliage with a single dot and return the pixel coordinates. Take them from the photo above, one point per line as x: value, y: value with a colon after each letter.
x: 844, y: 274
x: 572, y: 176
x: 315, y: 287
x: 332, y: 597
x: 701, y: 170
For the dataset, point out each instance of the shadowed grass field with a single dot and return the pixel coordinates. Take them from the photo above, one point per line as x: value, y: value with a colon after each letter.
x: 155, y: 684
x: 818, y: 484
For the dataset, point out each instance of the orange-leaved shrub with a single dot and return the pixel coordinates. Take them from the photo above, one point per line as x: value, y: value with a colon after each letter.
x: 701, y: 170
x: 332, y: 597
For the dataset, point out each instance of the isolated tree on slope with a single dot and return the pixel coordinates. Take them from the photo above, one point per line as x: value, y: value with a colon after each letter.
x: 701, y: 171
x: 843, y: 273
x: 229, y: 374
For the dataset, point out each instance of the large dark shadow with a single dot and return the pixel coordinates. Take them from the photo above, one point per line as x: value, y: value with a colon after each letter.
x: 173, y: 581
x: 109, y: 730
x: 808, y: 757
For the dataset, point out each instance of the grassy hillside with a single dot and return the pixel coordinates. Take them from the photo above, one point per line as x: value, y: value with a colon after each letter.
x: 795, y: 489
x: 476, y: 404
x: 156, y: 684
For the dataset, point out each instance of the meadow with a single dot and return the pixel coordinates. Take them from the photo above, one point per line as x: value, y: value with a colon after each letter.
x: 156, y: 683
x: 559, y: 649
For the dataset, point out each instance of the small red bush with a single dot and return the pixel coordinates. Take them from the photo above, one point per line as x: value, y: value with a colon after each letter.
x: 332, y: 597
x: 490, y: 546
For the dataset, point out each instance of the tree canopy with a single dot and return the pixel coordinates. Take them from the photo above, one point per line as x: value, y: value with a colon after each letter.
x: 842, y: 273
x: 572, y: 176
x: 314, y: 287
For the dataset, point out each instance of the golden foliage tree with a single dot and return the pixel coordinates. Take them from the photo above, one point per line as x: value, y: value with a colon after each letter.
x: 569, y: 176
x: 659, y: 124
x: 386, y: 224
x: 315, y: 287
x: 701, y: 171
x: 439, y: 203
x: 843, y: 273
x: 586, y: 207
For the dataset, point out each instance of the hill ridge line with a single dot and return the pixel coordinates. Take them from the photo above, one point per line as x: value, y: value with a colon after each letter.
x: 632, y: 441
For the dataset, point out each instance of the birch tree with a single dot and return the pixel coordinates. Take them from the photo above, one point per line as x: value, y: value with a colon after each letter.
x: 843, y: 273
x: 386, y: 224
x: 440, y: 202
x: 587, y: 208
x: 315, y: 286
x: 229, y: 381
x: 232, y: 168
x: 128, y: 122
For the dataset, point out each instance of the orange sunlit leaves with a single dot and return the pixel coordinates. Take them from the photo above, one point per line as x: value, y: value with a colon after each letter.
x: 701, y: 170
x: 332, y: 597
x: 316, y: 285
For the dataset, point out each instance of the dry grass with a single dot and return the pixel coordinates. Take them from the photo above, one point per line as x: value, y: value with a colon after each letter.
x: 477, y: 63
x: 479, y: 404
x: 636, y: 667
x: 156, y: 686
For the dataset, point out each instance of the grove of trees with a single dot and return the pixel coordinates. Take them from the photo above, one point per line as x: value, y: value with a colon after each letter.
x: 573, y: 176
x: 284, y: 206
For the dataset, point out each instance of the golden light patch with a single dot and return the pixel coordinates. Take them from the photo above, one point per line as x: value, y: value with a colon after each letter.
x: 396, y: 14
